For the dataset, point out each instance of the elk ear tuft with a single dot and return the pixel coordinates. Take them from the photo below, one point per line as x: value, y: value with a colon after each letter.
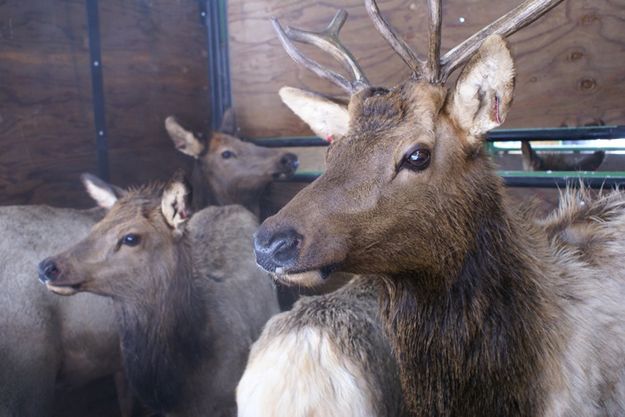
x: 327, y: 118
x: 104, y: 194
x: 185, y: 141
x: 483, y: 92
x: 176, y: 201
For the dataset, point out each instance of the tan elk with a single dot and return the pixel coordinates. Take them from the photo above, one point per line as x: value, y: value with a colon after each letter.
x: 228, y: 170
x: 487, y: 314
x: 50, y: 342
x: 188, y: 297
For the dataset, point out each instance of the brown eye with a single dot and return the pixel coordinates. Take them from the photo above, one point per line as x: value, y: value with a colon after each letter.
x: 418, y: 159
x: 130, y: 239
x: 227, y: 154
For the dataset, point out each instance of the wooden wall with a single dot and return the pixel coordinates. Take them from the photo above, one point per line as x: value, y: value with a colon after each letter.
x: 154, y: 61
x: 570, y: 62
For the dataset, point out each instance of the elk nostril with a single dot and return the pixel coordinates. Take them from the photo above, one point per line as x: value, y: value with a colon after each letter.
x: 290, y: 161
x: 277, y: 250
x: 48, y: 271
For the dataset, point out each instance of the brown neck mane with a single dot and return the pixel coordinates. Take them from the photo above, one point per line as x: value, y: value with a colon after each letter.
x: 160, y: 339
x: 205, y: 195
x: 472, y: 342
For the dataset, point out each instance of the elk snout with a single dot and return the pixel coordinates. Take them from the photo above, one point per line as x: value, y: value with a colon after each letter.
x: 48, y: 270
x: 289, y: 163
x: 278, y: 250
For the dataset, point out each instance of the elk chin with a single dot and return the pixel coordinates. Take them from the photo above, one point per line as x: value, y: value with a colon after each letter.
x: 309, y: 279
x: 303, y: 279
x: 63, y: 289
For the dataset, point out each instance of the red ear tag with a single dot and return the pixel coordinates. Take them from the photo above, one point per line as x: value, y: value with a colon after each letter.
x: 496, y: 110
x: 329, y: 138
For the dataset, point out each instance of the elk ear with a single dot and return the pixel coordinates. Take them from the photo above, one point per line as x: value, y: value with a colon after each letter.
x: 185, y: 141
x: 328, y: 119
x: 176, y: 201
x: 483, y: 92
x: 531, y: 160
x: 105, y: 195
x: 229, y: 123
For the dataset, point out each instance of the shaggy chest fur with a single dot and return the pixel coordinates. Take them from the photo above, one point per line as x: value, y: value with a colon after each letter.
x: 162, y: 344
x: 477, y: 347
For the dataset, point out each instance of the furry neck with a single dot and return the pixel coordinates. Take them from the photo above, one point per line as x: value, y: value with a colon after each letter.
x: 205, y: 195
x: 160, y: 339
x: 473, y: 342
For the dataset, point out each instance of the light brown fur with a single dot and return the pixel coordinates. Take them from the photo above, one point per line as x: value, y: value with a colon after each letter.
x: 228, y: 170
x: 189, y: 299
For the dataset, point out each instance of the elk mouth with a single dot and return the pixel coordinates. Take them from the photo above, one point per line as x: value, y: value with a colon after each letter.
x: 308, y: 278
x: 63, y: 289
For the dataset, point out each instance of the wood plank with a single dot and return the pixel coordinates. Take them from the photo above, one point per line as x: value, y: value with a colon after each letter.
x: 155, y: 64
x: 569, y: 62
x: 46, y: 133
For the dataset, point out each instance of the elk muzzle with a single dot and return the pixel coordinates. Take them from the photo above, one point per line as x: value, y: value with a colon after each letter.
x: 276, y: 251
x: 48, y: 271
x: 51, y: 274
x: 287, y: 165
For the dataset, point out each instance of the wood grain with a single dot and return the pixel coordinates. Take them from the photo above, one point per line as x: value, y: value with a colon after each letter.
x: 46, y: 133
x: 154, y: 61
x: 155, y: 64
x: 569, y: 63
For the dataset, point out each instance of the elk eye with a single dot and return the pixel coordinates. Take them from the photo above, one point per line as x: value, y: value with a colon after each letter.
x: 418, y: 159
x: 130, y: 239
x: 227, y: 154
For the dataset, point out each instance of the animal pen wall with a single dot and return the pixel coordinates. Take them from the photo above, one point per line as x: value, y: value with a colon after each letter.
x: 153, y: 57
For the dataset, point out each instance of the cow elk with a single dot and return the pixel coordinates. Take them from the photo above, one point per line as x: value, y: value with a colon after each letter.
x: 487, y: 314
x: 188, y: 296
x: 228, y: 170
x: 48, y: 341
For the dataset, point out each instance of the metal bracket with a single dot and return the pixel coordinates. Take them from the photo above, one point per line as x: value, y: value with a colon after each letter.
x: 215, y: 16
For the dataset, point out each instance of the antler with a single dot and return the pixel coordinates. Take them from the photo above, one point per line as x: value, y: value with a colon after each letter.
x: 427, y: 69
x: 435, y: 69
x: 521, y: 16
x: 328, y: 41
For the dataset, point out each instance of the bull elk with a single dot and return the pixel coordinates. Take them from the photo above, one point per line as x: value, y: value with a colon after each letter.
x: 487, y: 314
x: 188, y: 297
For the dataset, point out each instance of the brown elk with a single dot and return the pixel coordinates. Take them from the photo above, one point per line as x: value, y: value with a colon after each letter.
x: 188, y: 297
x: 532, y: 161
x: 486, y: 314
x: 228, y: 170
x: 69, y: 342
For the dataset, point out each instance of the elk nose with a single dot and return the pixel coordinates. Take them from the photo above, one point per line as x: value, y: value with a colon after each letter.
x: 289, y: 162
x: 277, y: 250
x: 48, y: 271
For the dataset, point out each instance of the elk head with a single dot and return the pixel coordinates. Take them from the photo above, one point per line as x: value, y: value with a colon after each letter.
x: 137, y: 241
x: 229, y: 170
x: 408, y: 180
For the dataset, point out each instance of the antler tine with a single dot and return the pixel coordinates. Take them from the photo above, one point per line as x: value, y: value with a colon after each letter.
x: 417, y: 66
x: 434, y: 53
x: 328, y: 41
x: 506, y: 25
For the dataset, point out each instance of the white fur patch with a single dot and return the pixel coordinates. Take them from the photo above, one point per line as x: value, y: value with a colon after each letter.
x: 305, y: 279
x: 302, y: 374
x: 104, y: 197
x: 329, y: 120
x: 185, y: 141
